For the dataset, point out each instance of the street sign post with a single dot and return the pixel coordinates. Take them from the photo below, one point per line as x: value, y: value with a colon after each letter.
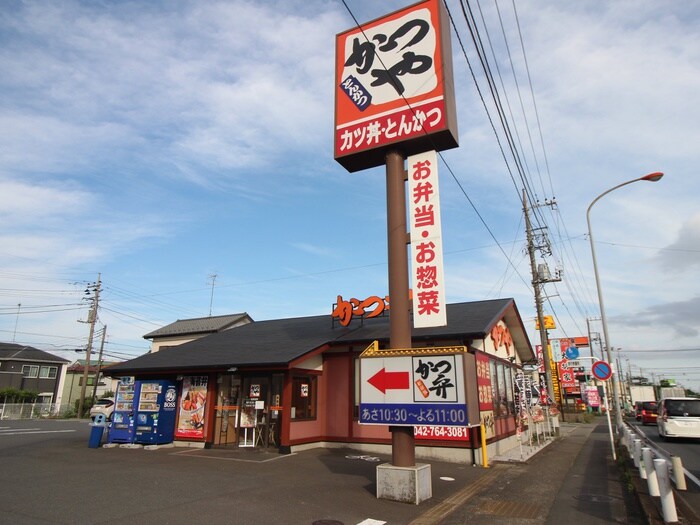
x: 601, y: 370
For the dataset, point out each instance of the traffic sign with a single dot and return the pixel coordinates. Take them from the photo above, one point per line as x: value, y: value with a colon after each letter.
x: 601, y: 370
x: 571, y: 352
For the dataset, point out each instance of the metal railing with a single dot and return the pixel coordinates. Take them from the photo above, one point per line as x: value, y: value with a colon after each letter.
x: 660, y: 469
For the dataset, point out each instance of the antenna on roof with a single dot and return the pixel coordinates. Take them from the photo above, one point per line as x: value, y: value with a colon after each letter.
x: 211, y: 300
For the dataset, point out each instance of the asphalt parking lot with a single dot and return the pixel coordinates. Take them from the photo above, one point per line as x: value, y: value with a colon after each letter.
x: 50, y: 475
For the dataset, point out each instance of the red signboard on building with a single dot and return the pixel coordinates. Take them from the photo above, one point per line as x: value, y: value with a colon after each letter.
x: 394, y: 85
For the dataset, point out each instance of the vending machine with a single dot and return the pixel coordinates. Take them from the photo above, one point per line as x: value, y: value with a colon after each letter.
x: 122, y: 428
x: 156, y: 408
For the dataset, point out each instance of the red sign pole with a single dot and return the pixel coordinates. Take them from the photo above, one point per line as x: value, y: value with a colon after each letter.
x: 403, y: 443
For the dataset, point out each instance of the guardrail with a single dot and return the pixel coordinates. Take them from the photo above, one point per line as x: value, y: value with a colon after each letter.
x: 658, y: 468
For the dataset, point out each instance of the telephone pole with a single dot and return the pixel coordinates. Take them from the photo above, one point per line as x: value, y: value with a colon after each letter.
x: 211, y: 300
x: 537, y: 282
x: 92, y: 319
x: 99, y: 363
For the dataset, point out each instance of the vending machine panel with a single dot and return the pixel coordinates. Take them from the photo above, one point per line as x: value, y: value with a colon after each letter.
x: 155, y: 412
x: 122, y: 428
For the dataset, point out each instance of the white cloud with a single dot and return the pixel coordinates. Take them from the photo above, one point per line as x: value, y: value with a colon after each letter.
x: 684, y: 252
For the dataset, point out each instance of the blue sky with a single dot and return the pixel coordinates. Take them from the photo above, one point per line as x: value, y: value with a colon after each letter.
x: 160, y: 143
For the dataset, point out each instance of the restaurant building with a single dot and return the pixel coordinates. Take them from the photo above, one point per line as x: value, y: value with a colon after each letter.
x: 294, y: 383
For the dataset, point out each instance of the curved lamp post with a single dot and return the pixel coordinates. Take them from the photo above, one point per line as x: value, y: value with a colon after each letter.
x: 651, y: 177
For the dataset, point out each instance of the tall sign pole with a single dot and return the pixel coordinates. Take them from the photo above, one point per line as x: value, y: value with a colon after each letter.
x: 394, y: 98
x: 403, y: 449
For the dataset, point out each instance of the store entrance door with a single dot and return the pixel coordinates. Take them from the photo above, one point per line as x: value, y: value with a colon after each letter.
x: 261, y: 408
x: 227, y: 409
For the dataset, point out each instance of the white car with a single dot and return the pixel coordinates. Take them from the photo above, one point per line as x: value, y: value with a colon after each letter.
x: 679, y: 417
x: 103, y: 406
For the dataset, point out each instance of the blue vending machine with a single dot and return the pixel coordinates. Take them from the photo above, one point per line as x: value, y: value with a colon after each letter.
x: 155, y: 412
x: 122, y: 428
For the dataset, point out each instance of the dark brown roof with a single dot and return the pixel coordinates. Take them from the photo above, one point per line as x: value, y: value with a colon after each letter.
x: 12, y: 351
x: 281, y: 341
x: 199, y: 325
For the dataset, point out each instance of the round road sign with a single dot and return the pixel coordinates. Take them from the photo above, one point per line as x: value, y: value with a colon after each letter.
x: 601, y: 370
x: 571, y: 352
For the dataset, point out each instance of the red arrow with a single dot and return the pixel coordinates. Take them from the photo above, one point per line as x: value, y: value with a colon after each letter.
x: 384, y: 381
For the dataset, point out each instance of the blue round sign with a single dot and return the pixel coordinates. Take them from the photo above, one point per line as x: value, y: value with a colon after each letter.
x: 571, y: 352
x: 601, y: 370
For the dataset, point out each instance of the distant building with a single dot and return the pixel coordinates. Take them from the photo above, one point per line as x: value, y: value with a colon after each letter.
x: 74, y: 381
x: 30, y: 369
x: 186, y: 330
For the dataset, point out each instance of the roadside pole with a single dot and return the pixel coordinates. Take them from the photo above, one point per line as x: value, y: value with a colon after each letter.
x: 403, y: 445
x: 602, y: 370
x: 607, y: 414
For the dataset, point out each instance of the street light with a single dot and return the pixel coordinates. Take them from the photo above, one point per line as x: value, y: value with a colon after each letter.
x: 651, y: 177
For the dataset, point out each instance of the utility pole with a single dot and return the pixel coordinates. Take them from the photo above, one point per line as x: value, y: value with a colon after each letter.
x: 14, y: 334
x: 211, y: 300
x: 92, y: 319
x: 537, y: 282
x: 99, y: 363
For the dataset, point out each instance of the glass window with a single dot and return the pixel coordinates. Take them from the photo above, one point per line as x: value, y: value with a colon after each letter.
x: 683, y: 407
x: 494, y: 387
x: 30, y: 371
x: 48, y: 372
x: 502, y: 399
x: 90, y: 381
x: 509, y: 390
x: 304, y: 397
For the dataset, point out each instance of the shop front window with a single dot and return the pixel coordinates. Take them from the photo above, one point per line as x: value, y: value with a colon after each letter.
x: 304, y: 397
x: 494, y: 388
x: 509, y: 390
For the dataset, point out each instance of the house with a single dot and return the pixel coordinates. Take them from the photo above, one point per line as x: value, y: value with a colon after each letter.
x: 296, y: 383
x: 30, y: 369
x: 186, y: 330
x: 73, y: 384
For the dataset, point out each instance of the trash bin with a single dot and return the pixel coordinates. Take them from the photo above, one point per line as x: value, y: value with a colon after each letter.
x: 97, y: 430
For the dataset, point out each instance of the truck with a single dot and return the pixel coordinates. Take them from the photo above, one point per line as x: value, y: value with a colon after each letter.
x: 671, y: 391
x: 642, y: 393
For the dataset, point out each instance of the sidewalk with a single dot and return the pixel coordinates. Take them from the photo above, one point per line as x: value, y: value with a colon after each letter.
x: 572, y: 479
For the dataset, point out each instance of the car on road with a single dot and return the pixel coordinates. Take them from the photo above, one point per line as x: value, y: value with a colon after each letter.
x: 647, y: 413
x: 679, y: 417
x: 103, y: 406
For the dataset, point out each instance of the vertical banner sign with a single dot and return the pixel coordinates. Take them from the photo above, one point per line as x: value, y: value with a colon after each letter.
x: 427, y: 276
x: 557, y: 354
x: 540, y: 359
x: 394, y: 85
x: 567, y: 375
x: 190, y: 421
